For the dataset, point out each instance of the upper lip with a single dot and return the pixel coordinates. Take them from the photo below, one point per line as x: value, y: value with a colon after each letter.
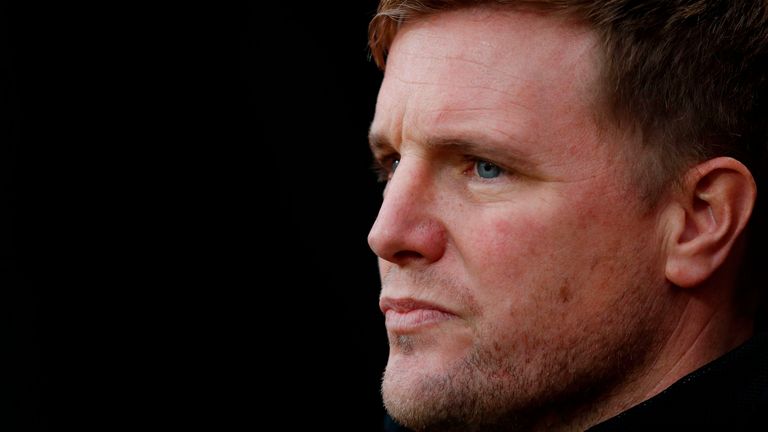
x: 404, y: 305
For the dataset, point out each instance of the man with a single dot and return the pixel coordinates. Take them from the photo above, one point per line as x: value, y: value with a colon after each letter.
x: 563, y: 240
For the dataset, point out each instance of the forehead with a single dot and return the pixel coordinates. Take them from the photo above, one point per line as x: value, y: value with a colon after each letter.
x: 511, y: 69
x: 483, y: 41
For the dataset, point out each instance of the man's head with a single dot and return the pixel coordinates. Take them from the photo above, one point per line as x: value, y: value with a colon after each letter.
x: 535, y: 258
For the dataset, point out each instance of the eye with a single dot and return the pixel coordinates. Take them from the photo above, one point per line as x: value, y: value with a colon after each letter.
x: 385, y: 167
x: 487, y: 170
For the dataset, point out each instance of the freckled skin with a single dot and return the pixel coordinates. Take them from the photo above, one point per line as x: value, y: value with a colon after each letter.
x: 551, y: 270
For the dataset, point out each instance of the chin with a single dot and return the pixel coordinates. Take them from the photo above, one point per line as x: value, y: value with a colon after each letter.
x: 406, y: 393
x: 429, y: 386
x: 430, y: 353
x: 451, y: 401
x: 448, y: 381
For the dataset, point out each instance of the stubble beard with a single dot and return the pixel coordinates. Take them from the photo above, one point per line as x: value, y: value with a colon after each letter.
x: 490, y: 390
x: 464, y: 398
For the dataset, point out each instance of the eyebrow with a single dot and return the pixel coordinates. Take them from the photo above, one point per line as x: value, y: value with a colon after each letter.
x: 479, y: 146
x: 378, y: 143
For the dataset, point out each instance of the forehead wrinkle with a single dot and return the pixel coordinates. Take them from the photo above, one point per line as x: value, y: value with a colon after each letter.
x: 445, y: 57
x: 502, y: 109
x: 479, y: 74
x: 454, y: 85
x: 509, y: 118
x: 510, y: 103
x: 478, y: 125
x: 450, y: 110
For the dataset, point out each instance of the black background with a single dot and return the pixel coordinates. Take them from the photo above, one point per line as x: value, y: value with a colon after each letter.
x: 186, y: 197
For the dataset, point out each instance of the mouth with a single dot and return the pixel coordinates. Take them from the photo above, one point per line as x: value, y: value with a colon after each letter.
x: 407, y: 315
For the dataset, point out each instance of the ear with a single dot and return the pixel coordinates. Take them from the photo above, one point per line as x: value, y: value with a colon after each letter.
x: 709, y: 212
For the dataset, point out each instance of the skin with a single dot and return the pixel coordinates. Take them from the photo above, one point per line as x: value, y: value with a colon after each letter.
x: 552, y: 276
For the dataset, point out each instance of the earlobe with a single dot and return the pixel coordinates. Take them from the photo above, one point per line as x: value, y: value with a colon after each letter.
x: 707, y: 216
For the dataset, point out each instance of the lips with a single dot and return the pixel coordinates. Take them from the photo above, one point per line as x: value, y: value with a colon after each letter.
x: 410, y: 315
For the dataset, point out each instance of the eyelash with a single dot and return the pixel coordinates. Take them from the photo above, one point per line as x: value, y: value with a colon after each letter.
x: 382, y: 167
x: 472, y: 170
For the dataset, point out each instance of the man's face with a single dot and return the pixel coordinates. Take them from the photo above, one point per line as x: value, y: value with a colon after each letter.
x: 517, y: 268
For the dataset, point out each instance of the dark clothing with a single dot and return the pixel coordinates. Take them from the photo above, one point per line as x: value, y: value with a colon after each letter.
x: 730, y: 392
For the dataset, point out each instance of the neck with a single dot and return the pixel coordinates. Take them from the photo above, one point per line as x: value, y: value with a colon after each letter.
x: 702, y: 325
x: 690, y: 347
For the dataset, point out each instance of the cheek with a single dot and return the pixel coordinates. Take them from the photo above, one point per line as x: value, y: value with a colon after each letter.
x: 506, y: 254
x: 524, y: 263
x: 515, y: 245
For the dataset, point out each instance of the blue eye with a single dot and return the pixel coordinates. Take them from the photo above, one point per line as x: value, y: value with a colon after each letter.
x: 487, y: 170
x: 395, y: 163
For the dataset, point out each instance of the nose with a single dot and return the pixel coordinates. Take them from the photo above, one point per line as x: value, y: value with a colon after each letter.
x: 408, y: 229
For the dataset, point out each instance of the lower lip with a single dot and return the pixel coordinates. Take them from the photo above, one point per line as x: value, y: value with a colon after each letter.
x: 401, y: 322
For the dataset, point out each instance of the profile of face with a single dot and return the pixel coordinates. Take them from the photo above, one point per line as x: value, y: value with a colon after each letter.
x: 518, y: 270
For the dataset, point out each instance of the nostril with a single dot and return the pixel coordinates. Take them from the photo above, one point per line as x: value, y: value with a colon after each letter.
x: 406, y: 255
